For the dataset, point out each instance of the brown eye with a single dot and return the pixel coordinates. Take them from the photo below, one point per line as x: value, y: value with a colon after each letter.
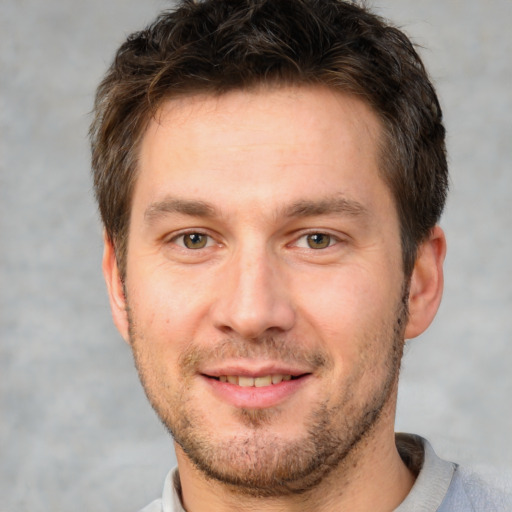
x: 318, y: 240
x: 195, y: 240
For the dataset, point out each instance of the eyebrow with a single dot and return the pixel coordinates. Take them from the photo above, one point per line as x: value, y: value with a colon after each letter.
x: 301, y: 208
x: 170, y: 205
x: 330, y: 205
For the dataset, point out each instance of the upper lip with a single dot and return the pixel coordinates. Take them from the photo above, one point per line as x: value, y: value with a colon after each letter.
x: 253, y: 369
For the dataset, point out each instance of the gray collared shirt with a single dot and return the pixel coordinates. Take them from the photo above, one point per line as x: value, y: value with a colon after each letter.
x: 440, y: 486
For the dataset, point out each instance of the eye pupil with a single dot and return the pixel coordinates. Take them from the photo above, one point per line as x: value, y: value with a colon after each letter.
x: 319, y: 240
x: 194, y: 240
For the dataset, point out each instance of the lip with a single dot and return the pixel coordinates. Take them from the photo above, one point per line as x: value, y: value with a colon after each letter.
x: 253, y: 369
x: 255, y: 397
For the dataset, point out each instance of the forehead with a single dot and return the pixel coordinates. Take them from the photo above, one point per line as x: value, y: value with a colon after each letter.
x: 319, y: 110
x: 297, y: 139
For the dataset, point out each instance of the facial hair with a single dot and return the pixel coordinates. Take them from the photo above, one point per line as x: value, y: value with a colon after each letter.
x: 257, y: 461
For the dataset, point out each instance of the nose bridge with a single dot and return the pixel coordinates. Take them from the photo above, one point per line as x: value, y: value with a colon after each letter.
x: 253, y: 297
x: 253, y: 277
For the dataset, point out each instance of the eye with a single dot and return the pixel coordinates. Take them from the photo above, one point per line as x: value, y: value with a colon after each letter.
x: 193, y: 240
x: 316, y: 241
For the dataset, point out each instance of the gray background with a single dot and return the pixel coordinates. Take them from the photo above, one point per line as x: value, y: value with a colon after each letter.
x: 75, y: 430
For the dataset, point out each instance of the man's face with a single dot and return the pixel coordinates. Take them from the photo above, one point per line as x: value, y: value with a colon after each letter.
x: 264, y: 282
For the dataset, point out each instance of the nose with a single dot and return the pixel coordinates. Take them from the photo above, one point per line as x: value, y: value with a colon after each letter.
x: 252, y: 297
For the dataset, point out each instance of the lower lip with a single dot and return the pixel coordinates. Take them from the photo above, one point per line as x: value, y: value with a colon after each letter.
x: 253, y: 397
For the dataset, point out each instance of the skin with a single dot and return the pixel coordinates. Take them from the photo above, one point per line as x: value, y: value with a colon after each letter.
x: 295, y: 267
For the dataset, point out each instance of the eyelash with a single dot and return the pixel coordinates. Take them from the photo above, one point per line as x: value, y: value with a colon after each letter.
x: 332, y: 240
x: 174, y: 240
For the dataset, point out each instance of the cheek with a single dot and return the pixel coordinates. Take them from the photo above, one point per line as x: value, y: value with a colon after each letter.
x: 352, y: 317
x: 158, y: 338
x: 342, y: 301
x: 165, y: 311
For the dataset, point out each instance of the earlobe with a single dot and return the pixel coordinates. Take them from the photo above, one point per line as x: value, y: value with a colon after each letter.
x: 426, y: 288
x: 115, y: 288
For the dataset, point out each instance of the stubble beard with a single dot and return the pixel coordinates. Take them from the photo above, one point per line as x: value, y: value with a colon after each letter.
x: 258, y: 462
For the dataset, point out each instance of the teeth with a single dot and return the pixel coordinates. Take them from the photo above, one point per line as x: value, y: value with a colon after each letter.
x: 258, y: 382
x: 276, y: 379
x: 245, y: 382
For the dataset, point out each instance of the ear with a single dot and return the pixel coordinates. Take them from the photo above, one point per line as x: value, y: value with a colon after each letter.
x: 115, y: 288
x: 426, y: 288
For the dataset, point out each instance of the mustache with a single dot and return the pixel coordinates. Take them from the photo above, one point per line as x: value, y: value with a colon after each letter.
x: 272, y: 348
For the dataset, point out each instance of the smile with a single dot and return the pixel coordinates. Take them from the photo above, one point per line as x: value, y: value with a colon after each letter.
x: 257, y: 382
x: 259, y: 391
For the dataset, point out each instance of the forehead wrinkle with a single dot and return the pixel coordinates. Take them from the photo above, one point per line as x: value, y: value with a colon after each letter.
x: 170, y: 205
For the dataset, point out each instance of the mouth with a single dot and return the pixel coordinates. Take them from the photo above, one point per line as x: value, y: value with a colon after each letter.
x: 256, y: 391
x: 256, y: 382
x: 253, y: 384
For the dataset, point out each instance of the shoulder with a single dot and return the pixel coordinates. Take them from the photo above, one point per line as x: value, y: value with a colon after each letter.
x: 470, y: 491
x: 154, y: 506
x: 170, y: 501
x: 443, y: 486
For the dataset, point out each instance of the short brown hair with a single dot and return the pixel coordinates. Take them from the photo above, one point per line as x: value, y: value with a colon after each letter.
x: 215, y: 46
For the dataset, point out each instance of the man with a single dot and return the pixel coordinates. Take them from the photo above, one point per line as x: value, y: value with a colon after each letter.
x: 270, y: 174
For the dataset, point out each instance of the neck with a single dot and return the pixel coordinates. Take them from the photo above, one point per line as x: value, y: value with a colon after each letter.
x: 372, y: 477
